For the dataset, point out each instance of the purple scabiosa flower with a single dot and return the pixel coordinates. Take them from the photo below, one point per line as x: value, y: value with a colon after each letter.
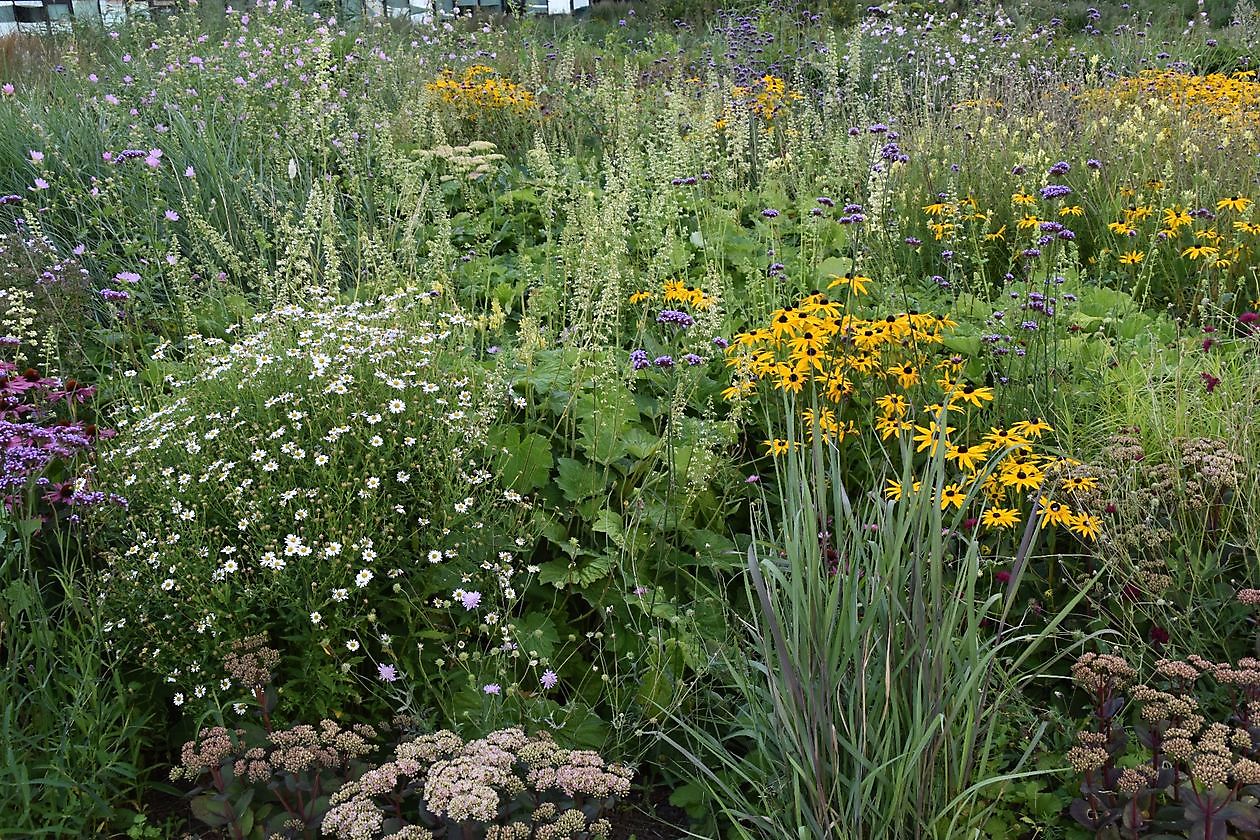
x: 1055, y: 191
x: 1061, y: 168
x: 114, y: 295
x: 721, y: 343
x: 1067, y: 235
x: 1031, y: 326
x: 36, y: 156
x: 1030, y: 252
x: 40, y: 184
x: 171, y: 216
x: 386, y: 673
x: 1094, y: 163
x: 154, y: 158
x: 127, y: 277
x: 770, y: 213
x: 549, y: 679
x: 913, y: 241
x: 663, y: 361
x: 825, y: 202
x: 470, y: 600
x: 674, y: 316
x: 7, y: 89
x: 692, y: 359
x: 878, y: 128
x: 639, y: 359
x: 492, y: 688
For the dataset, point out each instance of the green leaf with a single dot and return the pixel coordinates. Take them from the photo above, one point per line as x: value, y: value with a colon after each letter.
x: 560, y: 573
x: 604, y: 418
x: 578, y: 480
x: 526, y: 463
x: 210, y: 810
x: 537, y: 635
x: 834, y: 267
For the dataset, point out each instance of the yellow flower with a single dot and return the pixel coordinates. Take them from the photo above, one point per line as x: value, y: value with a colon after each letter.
x: 739, y: 389
x: 790, y: 379
x: 1023, y: 198
x: 952, y: 494
x: 937, y: 208
x: 1022, y: 477
x: 971, y: 394
x: 1028, y: 222
x: 1132, y: 257
x: 890, y: 426
x: 1000, y: 233
x: 967, y: 457
x: 892, y: 405
x: 1084, y: 484
x: 1196, y: 251
x: 998, y: 517
x: 640, y: 297
x: 1086, y: 525
x: 1121, y: 228
x: 777, y: 446
x: 856, y: 282
x: 894, y: 489
x: 907, y: 374
x: 1000, y: 438
x: 1054, y: 513
x: 1074, y: 210
x: 1236, y: 203
x: 1032, y: 428
x: 929, y: 437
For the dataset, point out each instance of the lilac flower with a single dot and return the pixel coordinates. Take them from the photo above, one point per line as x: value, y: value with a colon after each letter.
x: 913, y: 241
x: 639, y: 359
x: 10, y: 199
x: 825, y: 202
x: 549, y: 679
x: 386, y: 673
x: 753, y: 479
x: 1031, y: 326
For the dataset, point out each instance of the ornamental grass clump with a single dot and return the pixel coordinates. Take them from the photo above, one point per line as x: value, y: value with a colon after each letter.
x: 506, y: 786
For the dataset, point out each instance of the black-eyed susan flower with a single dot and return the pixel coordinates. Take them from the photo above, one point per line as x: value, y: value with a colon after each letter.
x: 894, y: 490
x: 969, y: 393
x: 1194, y: 252
x: 1022, y: 477
x: 1033, y: 428
x: 999, y: 517
x: 1083, y: 483
x: 1086, y: 525
x: 1001, y: 438
x: 1132, y: 257
x: 640, y: 297
x: 967, y: 457
x: 1054, y: 513
x: 906, y: 374
x: 929, y: 437
x: 777, y: 446
x: 1237, y: 203
x: 856, y: 283
x: 892, y: 405
x: 952, y: 495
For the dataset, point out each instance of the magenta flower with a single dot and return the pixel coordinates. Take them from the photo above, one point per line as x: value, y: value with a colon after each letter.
x: 7, y: 89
